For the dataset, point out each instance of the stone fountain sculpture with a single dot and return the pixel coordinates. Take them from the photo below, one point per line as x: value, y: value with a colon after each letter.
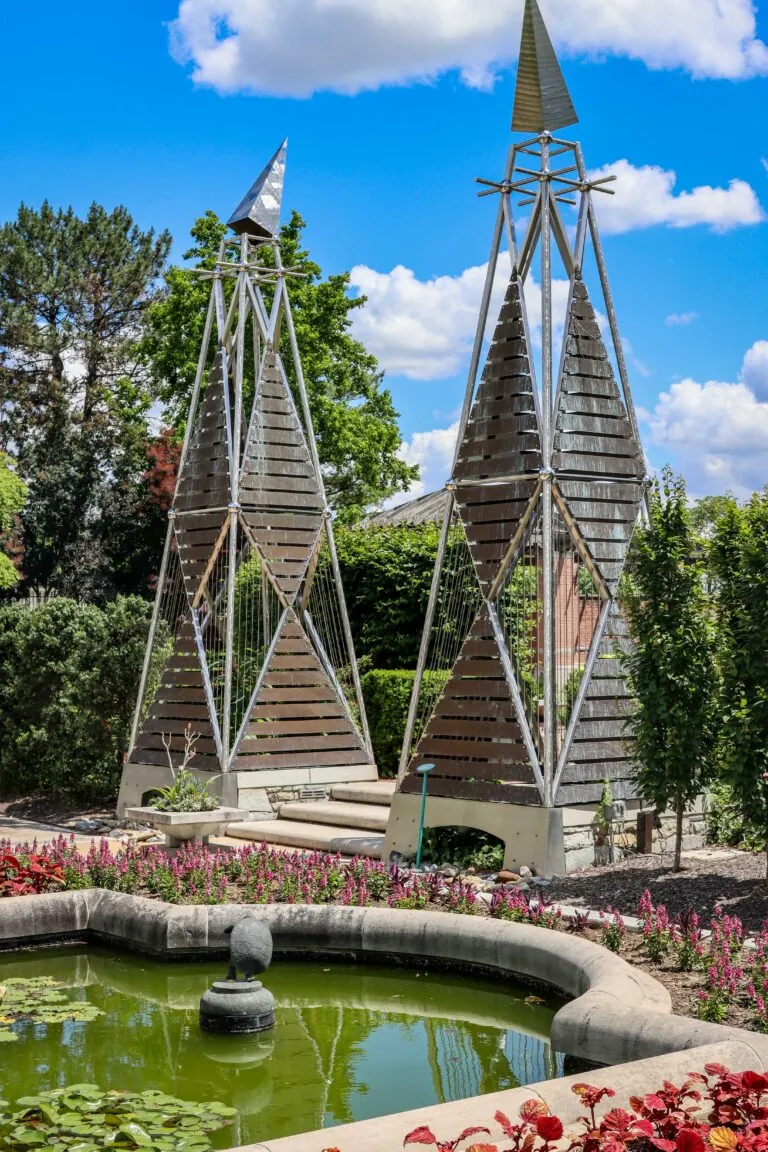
x: 242, y: 1006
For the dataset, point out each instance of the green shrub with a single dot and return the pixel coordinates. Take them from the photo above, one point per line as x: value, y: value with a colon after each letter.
x: 725, y: 824
x: 68, y: 679
x: 464, y: 848
x: 387, y: 694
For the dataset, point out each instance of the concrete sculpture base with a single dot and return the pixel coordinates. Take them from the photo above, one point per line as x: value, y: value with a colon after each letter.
x: 237, y: 1007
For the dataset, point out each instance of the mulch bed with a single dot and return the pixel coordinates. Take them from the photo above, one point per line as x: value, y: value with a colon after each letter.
x: 734, y: 880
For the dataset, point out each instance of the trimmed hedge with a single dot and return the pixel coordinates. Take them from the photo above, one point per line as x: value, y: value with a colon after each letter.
x: 387, y: 694
x: 68, y: 679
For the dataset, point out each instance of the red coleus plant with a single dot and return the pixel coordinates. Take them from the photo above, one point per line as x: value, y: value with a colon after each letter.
x: 28, y: 875
x: 721, y: 1111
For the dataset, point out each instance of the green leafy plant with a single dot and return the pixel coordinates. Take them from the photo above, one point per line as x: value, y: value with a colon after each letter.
x: 38, y: 1000
x: 187, y: 793
x: 85, y: 1118
x: 570, y: 692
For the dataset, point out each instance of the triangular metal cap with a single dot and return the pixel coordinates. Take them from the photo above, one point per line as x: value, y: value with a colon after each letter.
x: 542, y: 100
x: 258, y: 213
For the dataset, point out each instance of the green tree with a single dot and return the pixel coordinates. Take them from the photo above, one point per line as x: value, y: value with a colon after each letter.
x: 739, y: 556
x: 355, y: 422
x: 671, y: 668
x: 75, y: 398
x: 13, y: 492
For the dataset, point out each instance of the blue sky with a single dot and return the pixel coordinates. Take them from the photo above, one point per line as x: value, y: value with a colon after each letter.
x: 392, y: 107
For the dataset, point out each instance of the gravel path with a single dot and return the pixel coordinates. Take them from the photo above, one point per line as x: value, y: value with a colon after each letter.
x: 734, y: 880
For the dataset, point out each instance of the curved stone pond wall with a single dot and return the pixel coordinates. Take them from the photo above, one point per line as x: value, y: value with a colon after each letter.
x: 616, y: 1013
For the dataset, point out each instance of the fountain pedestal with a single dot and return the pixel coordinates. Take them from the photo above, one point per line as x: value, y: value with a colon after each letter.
x: 237, y: 1006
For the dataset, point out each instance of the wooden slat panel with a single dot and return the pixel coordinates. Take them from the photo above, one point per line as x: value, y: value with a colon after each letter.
x: 474, y: 790
x: 601, y: 747
x: 474, y: 741
x: 283, y: 731
x: 205, y: 481
x: 507, y: 445
x: 309, y: 759
x: 321, y: 726
x: 592, y: 793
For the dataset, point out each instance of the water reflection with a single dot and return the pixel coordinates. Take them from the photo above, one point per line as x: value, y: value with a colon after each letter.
x: 350, y: 1042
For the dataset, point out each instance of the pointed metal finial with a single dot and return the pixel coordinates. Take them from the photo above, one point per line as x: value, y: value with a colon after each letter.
x: 258, y: 213
x: 542, y: 100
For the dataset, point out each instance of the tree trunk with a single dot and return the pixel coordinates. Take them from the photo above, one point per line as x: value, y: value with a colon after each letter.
x: 679, y: 812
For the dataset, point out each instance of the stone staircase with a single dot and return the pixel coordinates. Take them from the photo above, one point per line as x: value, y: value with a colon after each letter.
x: 353, y: 822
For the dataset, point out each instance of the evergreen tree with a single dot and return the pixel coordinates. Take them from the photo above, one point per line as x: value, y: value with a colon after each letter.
x: 355, y: 422
x: 73, y: 395
x: 739, y: 555
x: 671, y: 669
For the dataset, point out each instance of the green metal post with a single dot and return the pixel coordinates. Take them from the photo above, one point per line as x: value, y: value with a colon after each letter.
x: 424, y: 772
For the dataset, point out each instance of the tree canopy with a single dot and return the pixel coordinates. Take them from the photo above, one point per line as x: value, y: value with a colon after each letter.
x: 75, y: 396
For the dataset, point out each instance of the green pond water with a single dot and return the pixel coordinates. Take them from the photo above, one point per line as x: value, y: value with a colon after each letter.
x: 350, y: 1042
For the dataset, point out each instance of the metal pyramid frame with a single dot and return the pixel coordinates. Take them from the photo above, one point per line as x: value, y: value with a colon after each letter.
x: 547, y: 487
x: 250, y: 645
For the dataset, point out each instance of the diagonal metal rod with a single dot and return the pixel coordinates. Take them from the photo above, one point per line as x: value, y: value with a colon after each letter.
x: 477, y: 347
x: 421, y: 663
x: 522, y: 720
x: 586, y: 680
x: 304, y: 397
x: 151, y: 638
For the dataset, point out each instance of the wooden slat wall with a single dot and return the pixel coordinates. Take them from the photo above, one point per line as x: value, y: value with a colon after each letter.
x: 279, y: 473
x: 178, y: 701
x: 287, y: 540
x: 501, y: 439
x: 601, y: 749
x: 606, y: 513
x: 592, y: 432
x: 205, y: 481
x: 491, y: 514
x: 473, y: 737
x: 298, y: 721
x: 196, y: 536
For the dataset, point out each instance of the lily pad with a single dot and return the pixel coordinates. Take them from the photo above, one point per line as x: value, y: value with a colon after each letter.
x: 84, y: 1118
x: 38, y: 1000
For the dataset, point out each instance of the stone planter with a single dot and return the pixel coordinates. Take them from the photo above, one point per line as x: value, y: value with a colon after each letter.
x: 180, y: 827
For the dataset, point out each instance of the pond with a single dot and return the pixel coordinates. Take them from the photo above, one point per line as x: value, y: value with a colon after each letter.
x: 350, y: 1042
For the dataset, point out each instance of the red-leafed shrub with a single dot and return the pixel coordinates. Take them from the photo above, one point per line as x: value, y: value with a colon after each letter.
x: 721, y: 1111
x: 29, y: 874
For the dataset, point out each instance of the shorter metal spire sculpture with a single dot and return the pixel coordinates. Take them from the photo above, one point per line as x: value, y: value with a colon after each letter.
x: 519, y: 695
x: 250, y: 646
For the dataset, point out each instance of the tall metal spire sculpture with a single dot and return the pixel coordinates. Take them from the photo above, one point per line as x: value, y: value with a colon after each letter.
x: 519, y: 696
x: 250, y: 648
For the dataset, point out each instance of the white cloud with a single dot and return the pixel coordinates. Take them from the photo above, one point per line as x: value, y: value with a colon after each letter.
x: 433, y: 452
x: 754, y: 370
x: 718, y: 431
x: 296, y: 47
x: 681, y: 319
x: 424, y: 329
x: 646, y: 196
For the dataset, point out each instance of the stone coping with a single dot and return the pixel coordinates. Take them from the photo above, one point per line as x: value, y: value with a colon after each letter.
x: 616, y: 1014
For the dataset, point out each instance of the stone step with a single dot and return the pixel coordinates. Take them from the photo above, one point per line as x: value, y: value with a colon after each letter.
x: 315, y: 837
x: 368, y: 817
x: 372, y: 792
